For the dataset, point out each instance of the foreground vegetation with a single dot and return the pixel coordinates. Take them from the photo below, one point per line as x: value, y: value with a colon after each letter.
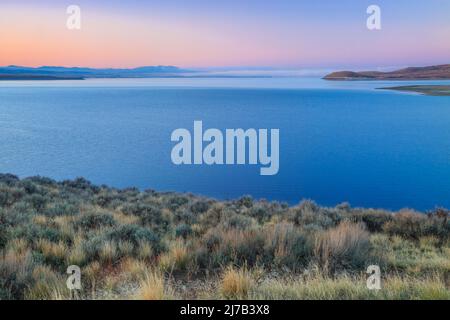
x: 133, y: 244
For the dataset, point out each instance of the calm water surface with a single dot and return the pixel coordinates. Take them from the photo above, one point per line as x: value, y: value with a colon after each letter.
x: 339, y: 141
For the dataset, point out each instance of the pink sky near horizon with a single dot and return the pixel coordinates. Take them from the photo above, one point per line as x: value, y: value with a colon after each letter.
x: 36, y: 36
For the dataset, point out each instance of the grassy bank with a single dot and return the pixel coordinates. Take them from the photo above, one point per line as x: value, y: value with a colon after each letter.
x: 131, y: 244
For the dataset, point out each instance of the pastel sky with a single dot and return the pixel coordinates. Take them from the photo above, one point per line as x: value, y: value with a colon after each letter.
x: 219, y: 33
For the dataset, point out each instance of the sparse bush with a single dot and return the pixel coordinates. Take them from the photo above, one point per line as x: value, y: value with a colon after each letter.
x: 183, y: 231
x: 232, y: 246
x: 61, y: 208
x: 239, y: 222
x: 176, y: 201
x: 136, y: 234
x: 38, y: 202
x: 199, y: 207
x: 3, y: 236
x: 150, y: 215
x: 108, y: 199
x: 10, y: 195
x: 309, y: 215
x: 95, y: 221
x: 32, y: 232
x: 8, y: 179
x: 413, y: 225
x: 79, y: 184
x: 346, y: 246
x: 245, y: 201
x: 42, y: 181
x: 259, y: 212
x: 344, y: 206
x: 373, y: 219
x: 287, y: 246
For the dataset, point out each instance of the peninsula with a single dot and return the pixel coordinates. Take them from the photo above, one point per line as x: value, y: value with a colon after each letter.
x: 439, y: 72
x: 428, y: 90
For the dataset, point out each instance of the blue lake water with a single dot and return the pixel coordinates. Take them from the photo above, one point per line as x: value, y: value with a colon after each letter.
x: 339, y: 141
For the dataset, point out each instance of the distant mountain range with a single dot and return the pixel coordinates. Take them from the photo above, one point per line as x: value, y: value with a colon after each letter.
x: 440, y: 72
x: 63, y: 73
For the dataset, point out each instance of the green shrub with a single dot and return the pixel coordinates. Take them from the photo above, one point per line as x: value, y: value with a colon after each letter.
x: 32, y: 232
x: 373, y: 219
x: 183, y: 231
x: 232, y: 246
x: 245, y: 201
x: 199, y: 207
x: 10, y: 195
x: 136, y: 234
x: 8, y: 179
x: 287, y: 246
x: 237, y: 221
x: 94, y: 221
x: 37, y: 201
x: 259, y: 212
x: 79, y: 184
x: 3, y: 236
x: 176, y: 201
x: 61, y: 208
x: 109, y: 199
x: 309, y: 215
x: 150, y: 215
x: 29, y: 186
x: 414, y: 225
x: 42, y: 181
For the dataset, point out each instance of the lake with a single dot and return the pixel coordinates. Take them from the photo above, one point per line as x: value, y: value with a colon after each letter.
x: 339, y: 141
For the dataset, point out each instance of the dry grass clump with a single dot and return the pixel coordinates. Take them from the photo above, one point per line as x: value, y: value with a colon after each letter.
x: 108, y: 252
x: 145, y: 250
x: 320, y: 287
x: 76, y: 255
x: 15, y: 274
x: 54, y: 253
x: 133, y: 269
x: 177, y: 257
x: 236, y: 283
x: 47, y: 285
x: 154, y: 287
